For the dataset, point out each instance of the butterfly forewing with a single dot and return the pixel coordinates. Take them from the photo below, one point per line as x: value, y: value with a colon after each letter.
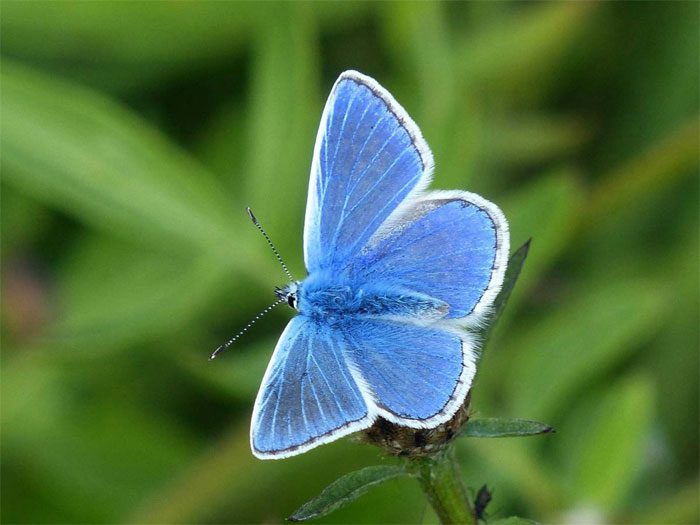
x: 369, y: 157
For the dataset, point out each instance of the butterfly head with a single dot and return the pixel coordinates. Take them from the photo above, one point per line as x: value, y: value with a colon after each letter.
x: 288, y: 293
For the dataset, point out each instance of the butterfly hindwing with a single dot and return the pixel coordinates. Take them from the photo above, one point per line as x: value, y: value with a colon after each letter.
x: 323, y: 383
x: 452, y: 246
x: 308, y: 395
x: 417, y: 376
x: 369, y: 157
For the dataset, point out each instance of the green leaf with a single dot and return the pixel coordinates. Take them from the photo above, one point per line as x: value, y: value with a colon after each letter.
x: 150, y: 41
x: 78, y: 151
x: 580, y: 342
x: 547, y: 212
x: 110, y: 297
x: 504, y: 427
x: 506, y: 58
x: 531, y: 139
x: 515, y: 266
x: 345, y: 490
x: 88, y: 463
x: 283, y: 121
x: 607, y: 456
x: 135, y: 45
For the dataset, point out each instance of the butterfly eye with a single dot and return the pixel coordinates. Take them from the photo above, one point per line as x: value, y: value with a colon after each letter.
x: 292, y: 300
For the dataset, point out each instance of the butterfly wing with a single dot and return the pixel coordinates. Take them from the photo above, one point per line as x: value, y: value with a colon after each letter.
x: 450, y: 245
x: 308, y: 395
x: 369, y: 156
x: 324, y: 383
x: 365, y: 219
x: 416, y: 376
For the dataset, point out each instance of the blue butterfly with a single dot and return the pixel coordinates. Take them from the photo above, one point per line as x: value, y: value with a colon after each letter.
x: 395, y: 276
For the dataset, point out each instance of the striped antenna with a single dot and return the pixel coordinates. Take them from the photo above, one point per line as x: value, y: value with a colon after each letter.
x: 269, y: 242
x: 245, y: 328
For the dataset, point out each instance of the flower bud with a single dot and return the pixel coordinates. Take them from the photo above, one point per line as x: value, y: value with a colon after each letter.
x: 399, y: 440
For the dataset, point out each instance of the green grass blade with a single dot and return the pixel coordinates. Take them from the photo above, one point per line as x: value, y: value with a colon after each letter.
x: 284, y: 116
x: 507, y: 57
x: 80, y: 152
x: 545, y: 211
x: 111, y: 298
x: 577, y: 344
x: 606, y: 456
x: 132, y: 45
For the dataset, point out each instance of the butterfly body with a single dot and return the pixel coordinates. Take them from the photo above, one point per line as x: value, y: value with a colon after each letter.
x: 395, y: 275
x: 328, y: 300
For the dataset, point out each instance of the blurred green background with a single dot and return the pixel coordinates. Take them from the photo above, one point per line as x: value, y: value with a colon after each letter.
x: 134, y: 135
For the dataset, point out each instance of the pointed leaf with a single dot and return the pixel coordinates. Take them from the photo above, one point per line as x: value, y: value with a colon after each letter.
x: 491, y: 427
x: 547, y: 211
x: 345, y: 490
x: 515, y: 266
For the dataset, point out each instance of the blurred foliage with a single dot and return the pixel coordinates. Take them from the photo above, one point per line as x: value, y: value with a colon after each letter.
x: 135, y: 133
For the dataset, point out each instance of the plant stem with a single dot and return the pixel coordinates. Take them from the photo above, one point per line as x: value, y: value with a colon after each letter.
x: 441, y: 481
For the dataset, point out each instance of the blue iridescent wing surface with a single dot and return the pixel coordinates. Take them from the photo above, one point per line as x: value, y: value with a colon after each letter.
x: 417, y: 375
x: 452, y: 246
x: 308, y: 395
x: 369, y: 157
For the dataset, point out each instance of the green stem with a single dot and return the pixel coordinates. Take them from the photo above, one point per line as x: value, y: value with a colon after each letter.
x: 440, y: 478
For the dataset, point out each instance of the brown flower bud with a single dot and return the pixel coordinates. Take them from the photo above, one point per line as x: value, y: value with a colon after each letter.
x: 398, y: 440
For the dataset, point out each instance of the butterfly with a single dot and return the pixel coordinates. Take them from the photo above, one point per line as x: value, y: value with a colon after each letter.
x: 396, y: 276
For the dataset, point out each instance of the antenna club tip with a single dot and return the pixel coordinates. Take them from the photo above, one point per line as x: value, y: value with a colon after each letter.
x: 212, y: 356
x: 250, y: 214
